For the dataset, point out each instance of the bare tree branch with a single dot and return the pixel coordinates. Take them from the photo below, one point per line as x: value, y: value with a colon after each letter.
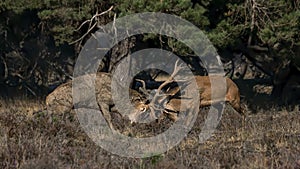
x: 5, y: 68
x: 92, y: 25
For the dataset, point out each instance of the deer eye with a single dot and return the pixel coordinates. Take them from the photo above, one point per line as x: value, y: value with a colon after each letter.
x: 143, y: 109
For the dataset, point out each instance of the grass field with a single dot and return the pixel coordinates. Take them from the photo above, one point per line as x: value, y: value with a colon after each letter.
x: 32, y: 138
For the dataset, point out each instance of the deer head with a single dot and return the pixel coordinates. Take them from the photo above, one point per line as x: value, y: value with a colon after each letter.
x: 157, y: 99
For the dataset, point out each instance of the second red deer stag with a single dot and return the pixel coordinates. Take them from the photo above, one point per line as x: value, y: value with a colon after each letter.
x: 61, y: 99
x: 173, y: 105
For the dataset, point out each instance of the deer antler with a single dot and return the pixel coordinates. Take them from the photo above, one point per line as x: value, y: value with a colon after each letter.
x: 152, y: 105
x: 143, y: 88
x: 177, y: 68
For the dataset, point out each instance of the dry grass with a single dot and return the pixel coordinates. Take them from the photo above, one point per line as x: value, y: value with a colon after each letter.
x: 31, y: 138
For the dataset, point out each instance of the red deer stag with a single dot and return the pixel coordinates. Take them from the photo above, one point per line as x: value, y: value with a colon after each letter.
x: 172, y: 105
x: 61, y: 99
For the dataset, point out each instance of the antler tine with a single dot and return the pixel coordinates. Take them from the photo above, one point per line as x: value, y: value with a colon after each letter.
x: 143, y: 82
x: 152, y: 106
x: 177, y: 68
x: 143, y: 89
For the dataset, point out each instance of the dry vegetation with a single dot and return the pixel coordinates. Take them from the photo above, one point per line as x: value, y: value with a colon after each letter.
x: 32, y: 138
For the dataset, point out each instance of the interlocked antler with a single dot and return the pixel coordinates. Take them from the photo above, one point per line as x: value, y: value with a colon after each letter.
x: 143, y: 88
x: 152, y: 105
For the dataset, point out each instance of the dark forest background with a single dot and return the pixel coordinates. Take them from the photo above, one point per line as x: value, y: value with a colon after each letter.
x: 40, y: 40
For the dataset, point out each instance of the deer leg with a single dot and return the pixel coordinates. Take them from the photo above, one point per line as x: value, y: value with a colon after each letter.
x: 236, y: 105
x: 106, y: 114
x: 172, y: 116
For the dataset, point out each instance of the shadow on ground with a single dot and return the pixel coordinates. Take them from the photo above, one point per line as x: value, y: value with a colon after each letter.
x: 257, y: 94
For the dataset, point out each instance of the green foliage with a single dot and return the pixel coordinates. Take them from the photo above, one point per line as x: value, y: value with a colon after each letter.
x: 228, y: 24
x: 21, y: 5
x: 184, y: 8
x: 58, y: 17
x: 196, y: 15
x: 226, y: 34
x: 260, y: 23
x: 156, y: 158
x: 285, y: 28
